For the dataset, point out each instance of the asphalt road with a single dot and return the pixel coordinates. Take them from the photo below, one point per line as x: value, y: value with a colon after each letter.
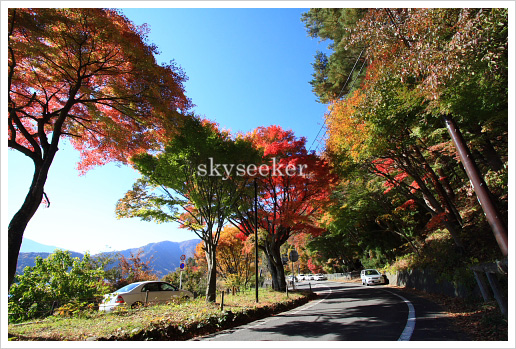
x: 350, y: 312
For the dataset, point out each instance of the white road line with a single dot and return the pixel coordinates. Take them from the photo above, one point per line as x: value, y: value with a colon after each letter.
x: 411, y: 319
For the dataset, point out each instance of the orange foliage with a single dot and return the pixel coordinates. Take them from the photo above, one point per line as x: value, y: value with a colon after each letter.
x: 347, y: 132
x: 134, y: 269
x: 234, y: 255
x: 314, y: 268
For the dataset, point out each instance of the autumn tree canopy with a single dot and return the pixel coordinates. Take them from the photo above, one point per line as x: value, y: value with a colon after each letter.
x: 88, y: 75
x: 287, y: 204
x: 387, y: 133
x: 174, y: 186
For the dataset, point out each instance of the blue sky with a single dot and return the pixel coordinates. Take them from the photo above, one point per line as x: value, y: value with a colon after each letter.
x: 246, y: 68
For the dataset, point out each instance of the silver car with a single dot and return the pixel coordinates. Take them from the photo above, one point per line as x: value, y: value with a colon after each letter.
x: 371, y: 277
x: 137, y: 293
x: 320, y: 277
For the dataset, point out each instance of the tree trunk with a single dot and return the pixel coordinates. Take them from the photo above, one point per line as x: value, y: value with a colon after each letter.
x: 451, y: 222
x: 33, y: 199
x: 488, y: 153
x: 211, y: 287
x: 446, y: 184
x: 446, y: 202
x: 272, y: 251
x: 23, y: 216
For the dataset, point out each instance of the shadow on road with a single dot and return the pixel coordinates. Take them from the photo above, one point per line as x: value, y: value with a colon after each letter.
x: 345, y: 314
x: 359, y: 313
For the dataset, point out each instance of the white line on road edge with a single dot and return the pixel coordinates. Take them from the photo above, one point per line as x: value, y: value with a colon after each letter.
x: 411, y: 319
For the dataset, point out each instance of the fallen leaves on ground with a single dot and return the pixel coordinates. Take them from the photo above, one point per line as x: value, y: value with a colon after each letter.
x: 481, y: 321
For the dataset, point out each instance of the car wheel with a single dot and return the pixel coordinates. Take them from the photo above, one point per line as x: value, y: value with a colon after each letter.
x: 136, y: 305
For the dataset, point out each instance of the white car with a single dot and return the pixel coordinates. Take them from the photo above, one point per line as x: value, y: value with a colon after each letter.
x: 302, y: 277
x: 310, y: 277
x: 320, y: 277
x: 291, y: 278
x: 371, y: 277
x: 134, y: 295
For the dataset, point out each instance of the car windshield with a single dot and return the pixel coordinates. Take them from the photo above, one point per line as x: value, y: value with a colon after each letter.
x: 372, y: 272
x: 128, y: 288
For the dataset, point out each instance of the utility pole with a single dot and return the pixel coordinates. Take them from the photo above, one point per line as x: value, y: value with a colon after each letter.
x: 484, y: 196
x: 479, y: 185
x: 256, y: 237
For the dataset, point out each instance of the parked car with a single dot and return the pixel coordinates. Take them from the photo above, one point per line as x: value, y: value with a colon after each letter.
x: 133, y: 295
x: 371, y: 277
x: 291, y: 278
x: 310, y: 277
x: 302, y: 277
x: 320, y: 277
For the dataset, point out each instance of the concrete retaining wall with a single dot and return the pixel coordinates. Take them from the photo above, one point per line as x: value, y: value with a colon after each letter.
x: 426, y: 280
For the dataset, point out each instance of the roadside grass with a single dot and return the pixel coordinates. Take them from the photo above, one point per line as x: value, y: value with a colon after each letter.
x: 169, y: 321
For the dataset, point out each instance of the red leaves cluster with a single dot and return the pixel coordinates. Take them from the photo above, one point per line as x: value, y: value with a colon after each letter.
x: 88, y: 75
x: 384, y: 166
x: 409, y: 204
x: 436, y: 221
x: 315, y: 269
x: 291, y: 204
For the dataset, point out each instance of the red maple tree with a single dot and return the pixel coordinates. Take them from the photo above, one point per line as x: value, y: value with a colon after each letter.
x: 287, y: 204
x: 88, y: 75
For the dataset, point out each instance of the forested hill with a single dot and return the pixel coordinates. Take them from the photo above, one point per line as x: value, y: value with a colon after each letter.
x: 164, y: 255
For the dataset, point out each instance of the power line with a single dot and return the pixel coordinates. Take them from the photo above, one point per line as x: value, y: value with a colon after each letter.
x: 350, y: 87
x: 338, y: 97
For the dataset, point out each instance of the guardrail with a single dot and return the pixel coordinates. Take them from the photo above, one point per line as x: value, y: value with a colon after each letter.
x: 491, y: 270
x: 346, y: 276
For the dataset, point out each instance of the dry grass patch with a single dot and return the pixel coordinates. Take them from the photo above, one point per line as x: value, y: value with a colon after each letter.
x: 170, y: 321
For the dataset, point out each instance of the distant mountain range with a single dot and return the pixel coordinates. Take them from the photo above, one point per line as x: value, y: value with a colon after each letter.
x: 164, y: 255
x: 29, y: 245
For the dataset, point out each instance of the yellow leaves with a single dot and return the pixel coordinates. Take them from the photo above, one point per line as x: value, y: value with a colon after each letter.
x: 348, y: 132
x: 327, y: 219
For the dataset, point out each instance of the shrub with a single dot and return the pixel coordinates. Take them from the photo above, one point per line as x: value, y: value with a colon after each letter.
x: 54, y: 282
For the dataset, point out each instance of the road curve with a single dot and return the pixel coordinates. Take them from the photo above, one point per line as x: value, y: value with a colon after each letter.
x: 350, y: 312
